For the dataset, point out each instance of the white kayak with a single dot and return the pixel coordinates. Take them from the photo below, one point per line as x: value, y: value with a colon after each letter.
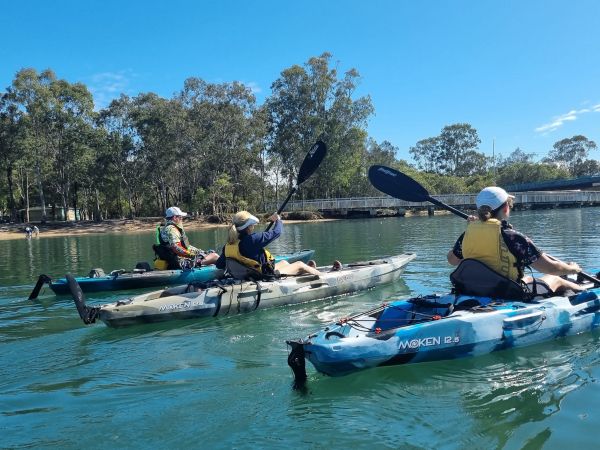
x: 228, y: 296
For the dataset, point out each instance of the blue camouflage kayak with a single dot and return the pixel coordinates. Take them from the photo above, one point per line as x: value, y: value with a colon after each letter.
x: 143, y: 278
x: 440, y: 327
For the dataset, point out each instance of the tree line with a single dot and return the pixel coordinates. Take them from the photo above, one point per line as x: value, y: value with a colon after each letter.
x: 212, y: 149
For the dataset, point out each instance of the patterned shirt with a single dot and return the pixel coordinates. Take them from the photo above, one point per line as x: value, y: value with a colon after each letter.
x: 518, y: 244
x: 178, y: 241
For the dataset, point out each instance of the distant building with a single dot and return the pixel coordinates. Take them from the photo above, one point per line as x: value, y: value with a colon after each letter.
x: 52, y: 214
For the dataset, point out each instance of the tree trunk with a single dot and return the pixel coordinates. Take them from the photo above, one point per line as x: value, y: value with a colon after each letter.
x: 38, y: 173
x: 12, y: 207
x: 98, y: 212
x: 75, y: 191
x: 27, y: 197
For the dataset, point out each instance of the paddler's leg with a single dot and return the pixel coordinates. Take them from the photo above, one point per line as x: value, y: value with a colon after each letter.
x: 210, y: 258
x: 558, y: 284
x: 555, y: 283
x: 295, y: 268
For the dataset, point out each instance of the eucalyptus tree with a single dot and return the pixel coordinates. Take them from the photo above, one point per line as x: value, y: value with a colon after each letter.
x: 158, y: 123
x: 308, y: 103
x: 458, y: 144
x: 225, y: 136
x: 10, y: 150
x: 383, y: 153
x: 56, y: 115
x: 453, y: 152
x: 517, y: 156
x: 426, y: 154
x: 572, y: 153
x: 119, y: 154
x: 31, y: 92
x: 73, y: 122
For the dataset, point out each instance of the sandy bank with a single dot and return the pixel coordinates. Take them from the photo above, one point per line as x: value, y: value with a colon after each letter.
x: 16, y: 231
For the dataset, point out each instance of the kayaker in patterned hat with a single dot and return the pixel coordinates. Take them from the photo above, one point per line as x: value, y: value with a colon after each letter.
x: 493, y: 241
x: 173, y: 245
x: 248, y: 247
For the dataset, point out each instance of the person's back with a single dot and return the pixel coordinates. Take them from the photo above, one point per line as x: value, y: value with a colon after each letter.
x: 485, y: 241
x: 247, y: 247
x: 492, y: 241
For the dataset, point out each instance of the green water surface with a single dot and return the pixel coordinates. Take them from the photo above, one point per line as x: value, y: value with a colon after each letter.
x: 224, y: 383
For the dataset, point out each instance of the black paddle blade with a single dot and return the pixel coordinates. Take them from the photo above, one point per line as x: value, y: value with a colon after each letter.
x: 396, y: 184
x: 38, y: 286
x: 87, y: 314
x: 312, y: 161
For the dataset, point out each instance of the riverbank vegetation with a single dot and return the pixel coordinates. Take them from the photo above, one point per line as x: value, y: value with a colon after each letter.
x: 212, y: 149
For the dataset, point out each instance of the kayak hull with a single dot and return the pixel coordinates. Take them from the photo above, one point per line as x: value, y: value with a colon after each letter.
x: 228, y: 297
x: 419, y: 330
x: 155, y: 278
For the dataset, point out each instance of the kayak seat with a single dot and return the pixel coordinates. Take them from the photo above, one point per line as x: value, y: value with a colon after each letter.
x: 472, y: 277
x: 168, y: 256
x: 96, y: 273
x: 143, y: 266
x: 239, y: 271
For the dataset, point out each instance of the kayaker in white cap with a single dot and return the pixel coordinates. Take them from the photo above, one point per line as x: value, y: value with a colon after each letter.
x: 493, y: 241
x: 249, y: 248
x: 172, y: 244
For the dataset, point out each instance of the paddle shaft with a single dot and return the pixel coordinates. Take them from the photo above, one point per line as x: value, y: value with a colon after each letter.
x: 311, y: 162
x: 283, y: 205
x: 448, y: 207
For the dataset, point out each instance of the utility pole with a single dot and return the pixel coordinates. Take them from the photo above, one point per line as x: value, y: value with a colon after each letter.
x: 494, y: 160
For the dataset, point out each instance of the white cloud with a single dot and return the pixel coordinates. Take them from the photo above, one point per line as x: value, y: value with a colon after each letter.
x: 559, y: 121
x: 107, y: 86
x: 255, y: 88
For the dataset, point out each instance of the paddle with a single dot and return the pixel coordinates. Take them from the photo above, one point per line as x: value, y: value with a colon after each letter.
x: 40, y: 282
x: 311, y: 162
x: 396, y: 184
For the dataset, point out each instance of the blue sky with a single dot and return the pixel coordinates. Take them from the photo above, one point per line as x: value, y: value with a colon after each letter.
x: 523, y: 73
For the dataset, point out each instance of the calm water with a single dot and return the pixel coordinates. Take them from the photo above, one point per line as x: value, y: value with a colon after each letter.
x: 225, y: 384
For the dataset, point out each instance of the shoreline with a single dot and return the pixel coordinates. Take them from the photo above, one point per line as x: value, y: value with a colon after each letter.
x: 145, y: 225
x: 81, y: 228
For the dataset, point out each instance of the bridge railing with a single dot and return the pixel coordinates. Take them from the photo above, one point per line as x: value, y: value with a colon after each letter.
x: 465, y: 200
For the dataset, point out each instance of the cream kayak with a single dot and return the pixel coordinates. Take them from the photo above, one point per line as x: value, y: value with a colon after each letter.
x: 229, y: 296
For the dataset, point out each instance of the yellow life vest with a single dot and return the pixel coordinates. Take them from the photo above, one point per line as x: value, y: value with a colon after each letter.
x: 483, y: 241
x: 233, y: 251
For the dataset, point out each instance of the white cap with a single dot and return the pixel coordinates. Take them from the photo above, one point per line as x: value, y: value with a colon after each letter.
x: 249, y: 221
x: 492, y: 196
x: 174, y: 211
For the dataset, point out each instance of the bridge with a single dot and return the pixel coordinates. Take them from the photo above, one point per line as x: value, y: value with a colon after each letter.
x: 374, y: 206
